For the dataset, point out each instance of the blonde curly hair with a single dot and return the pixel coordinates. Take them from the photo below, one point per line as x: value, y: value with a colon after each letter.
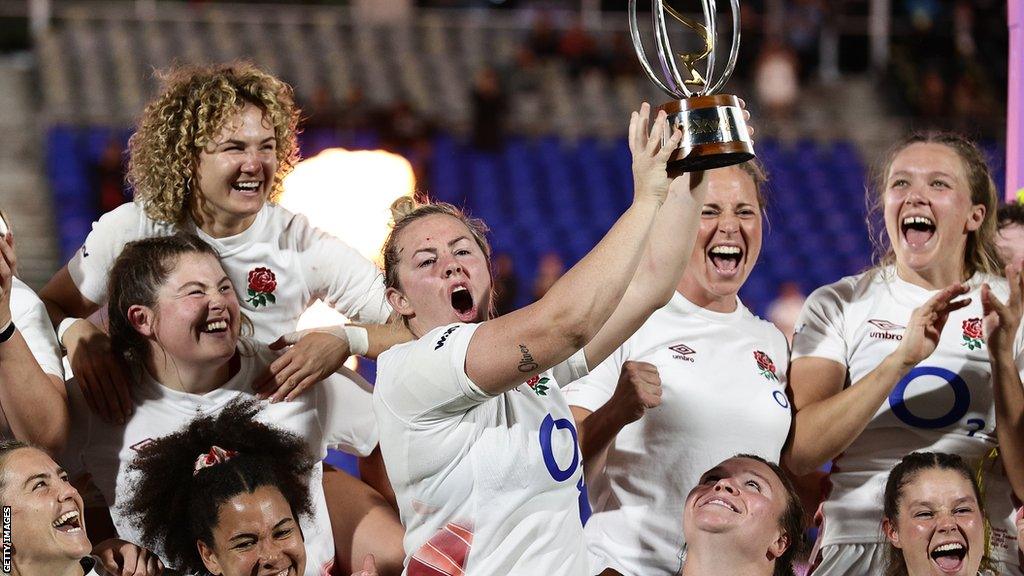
x: 190, y: 112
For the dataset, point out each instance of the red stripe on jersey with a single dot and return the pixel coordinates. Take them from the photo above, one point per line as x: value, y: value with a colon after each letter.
x: 444, y: 554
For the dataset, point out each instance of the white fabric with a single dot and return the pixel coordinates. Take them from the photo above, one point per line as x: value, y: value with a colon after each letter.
x: 946, y: 405
x: 716, y: 403
x: 469, y: 468
x: 307, y: 263
x: 29, y: 315
x: 334, y: 412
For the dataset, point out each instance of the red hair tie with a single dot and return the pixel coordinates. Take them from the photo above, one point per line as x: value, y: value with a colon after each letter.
x: 216, y: 455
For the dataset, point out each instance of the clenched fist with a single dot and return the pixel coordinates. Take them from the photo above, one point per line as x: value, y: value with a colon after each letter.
x: 638, y: 389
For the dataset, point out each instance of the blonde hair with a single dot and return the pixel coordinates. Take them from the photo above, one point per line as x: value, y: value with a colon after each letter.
x: 980, y: 253
x: 406, y: 210
x: 190, y: 112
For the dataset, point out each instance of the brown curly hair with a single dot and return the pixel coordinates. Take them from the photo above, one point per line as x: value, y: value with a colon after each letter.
x: 187, y: 116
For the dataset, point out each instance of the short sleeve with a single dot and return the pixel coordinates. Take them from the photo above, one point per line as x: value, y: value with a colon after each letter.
x: 820, y: 331
x: 593, y: 390
x: 29, y: 315
x: 345, y: 411
x: 92, y: 262
x: 340, y: 276
x: 425, y: 381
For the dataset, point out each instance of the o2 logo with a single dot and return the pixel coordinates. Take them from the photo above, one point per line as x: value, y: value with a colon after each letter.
x: 547, y: 428
x: 961, y: 400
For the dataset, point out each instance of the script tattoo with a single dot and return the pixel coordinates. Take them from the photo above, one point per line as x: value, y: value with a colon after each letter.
x: 526, y: 364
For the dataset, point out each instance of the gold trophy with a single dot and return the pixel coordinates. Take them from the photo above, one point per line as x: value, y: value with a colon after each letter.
x: 714, y: 131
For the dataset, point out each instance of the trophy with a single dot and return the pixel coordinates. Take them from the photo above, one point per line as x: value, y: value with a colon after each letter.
x: 714, y: 131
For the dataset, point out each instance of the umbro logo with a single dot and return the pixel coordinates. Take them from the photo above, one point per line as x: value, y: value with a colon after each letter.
x: 682, y: 352
x: 444, y: 337
x: 886, y: 329
x: 140, y: 446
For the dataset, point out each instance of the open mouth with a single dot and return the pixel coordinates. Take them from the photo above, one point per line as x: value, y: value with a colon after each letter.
x: 726, y: 259
x: 949, y: 557
x: 918, y: 230
x: 462, y: 302
x: 68, y: 522
x: 214, y: 327
x: 249, y: 187
x: 720, y: 502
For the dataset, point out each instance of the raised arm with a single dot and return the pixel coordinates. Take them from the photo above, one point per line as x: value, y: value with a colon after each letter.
x: 34, y: 402
x: 1002, y: 323
x: 830, y: 417
x: 506, y: 351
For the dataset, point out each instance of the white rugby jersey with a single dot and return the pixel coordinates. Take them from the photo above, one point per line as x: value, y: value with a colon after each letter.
x: 944, y: 404
x: 723, y: 379
x: 279, y: 266
x: 486, y: 485
x: 319, y: 416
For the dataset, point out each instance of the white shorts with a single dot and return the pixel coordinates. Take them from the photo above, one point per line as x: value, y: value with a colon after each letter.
x: 869, y: 559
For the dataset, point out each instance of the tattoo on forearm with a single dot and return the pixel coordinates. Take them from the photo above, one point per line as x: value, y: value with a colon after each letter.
x: 526, y: 364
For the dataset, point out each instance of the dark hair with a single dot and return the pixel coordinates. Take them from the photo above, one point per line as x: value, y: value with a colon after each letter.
x: 6, y: 447
x: 759, y: 174
x: 173, y: 508
x: 980, y: 254
x: 405, y: 211
x: 135, y: 278
x: 791, y: 521
x: 903, y: 474
x: 1010, y: 214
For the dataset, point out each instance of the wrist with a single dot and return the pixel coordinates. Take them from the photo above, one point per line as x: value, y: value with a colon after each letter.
x: 63, y: 327
x: 358, y: 340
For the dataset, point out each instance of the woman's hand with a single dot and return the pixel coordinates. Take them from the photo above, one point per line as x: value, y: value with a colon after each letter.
x: 650, y: 179
x: 99, y: 372
x: 313, y: 355
x: 8, y: 269
x: 1001, y: 320
x: 369, y: 567
x: 926, y: 324
x: 122, y: 558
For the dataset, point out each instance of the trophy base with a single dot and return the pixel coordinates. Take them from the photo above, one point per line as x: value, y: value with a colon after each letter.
x: 714, y: 133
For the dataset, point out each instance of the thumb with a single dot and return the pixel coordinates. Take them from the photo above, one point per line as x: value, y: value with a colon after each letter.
x: 369, y: 564
x: 286, y: 340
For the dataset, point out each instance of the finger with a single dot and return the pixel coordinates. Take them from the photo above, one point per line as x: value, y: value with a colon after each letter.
x: 743, y: 103
x: 286, y: 340
x: 108, y: 390
x: 634, y: 122
x: 645, y: 123
x: 130, y: 560
x: 287, y: 386
x: 671, y: 145
x: 302, y: 386
x: 8, y: 252
x: 87, y: 392
x: 369, y: 564
x: 657, y: 133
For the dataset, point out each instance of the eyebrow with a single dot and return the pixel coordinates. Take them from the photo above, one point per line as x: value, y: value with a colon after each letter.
x: 930, y: 173
x: 282, y: 522
x: 200, y: 284
x: 434, y: 250
x: 242, y: 142
x: 42, y: 476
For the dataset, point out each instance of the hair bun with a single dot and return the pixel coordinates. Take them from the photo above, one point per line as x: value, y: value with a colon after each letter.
x: 402, y: 207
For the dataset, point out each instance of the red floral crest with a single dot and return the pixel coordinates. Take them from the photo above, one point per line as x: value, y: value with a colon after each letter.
x: 765, y: 365
x: 972, y: 333
x: 539, y: 385
x: 262, y: 284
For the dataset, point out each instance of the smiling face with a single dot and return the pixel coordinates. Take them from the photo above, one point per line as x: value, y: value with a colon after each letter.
x: 47, y: 525
x: 740, y: 499
x: 728, y: 241
x: 256, y: 535
x: 443, y: 274
x: 195, y: 319
x: 939, y: 527
x: 928, y: 212
x: 236, y: 173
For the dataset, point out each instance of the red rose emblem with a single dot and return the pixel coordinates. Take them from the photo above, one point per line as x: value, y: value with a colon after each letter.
x: 533, y: 381
x: 763, y: 361
x: 262, y: 280
x: 972, y: 328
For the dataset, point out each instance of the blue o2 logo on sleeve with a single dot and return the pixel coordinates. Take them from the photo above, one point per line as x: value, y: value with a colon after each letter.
x: 961, y: 398
x: 547, y: 427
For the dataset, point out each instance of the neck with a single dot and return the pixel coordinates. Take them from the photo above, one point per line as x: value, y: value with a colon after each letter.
x: 715, y: 558
x: 221, y: 225
x: 54, y: 567
x: 932, y: 279
x: 696, y: 293
x: 191, y: 378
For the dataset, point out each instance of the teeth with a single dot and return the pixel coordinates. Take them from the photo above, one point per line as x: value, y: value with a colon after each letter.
x: 65, y: 518
x: 247, y: 185
x: 218, y: 325
x: 950, y: 546
x: 460, y: 289
x: 730, y: 250
x: 917, y: 220
x: 721, y: 502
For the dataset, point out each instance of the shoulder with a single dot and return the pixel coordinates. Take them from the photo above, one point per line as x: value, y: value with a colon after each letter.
x: 846, y: 289
x: 441, y: 342
x: 763, y: 330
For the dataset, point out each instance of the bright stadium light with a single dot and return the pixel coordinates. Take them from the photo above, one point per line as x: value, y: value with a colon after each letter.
x: 347, y: 193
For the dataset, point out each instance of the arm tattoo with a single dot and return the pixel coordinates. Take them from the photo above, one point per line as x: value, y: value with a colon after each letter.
x: 527, y: 363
